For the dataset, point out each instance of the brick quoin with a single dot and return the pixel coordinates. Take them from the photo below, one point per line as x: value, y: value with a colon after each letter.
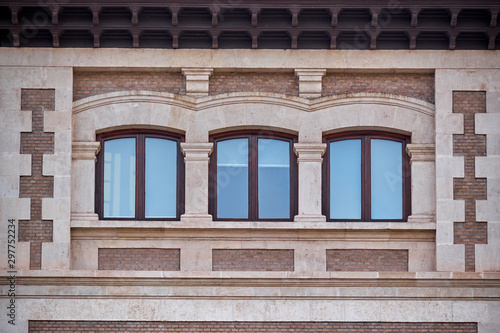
x: 414, y: 85
x: 252, y: 260
x: 131, y: 259
x: 86, y: 84
x: 469, y: 188
x: 280, y: 83
x: 367, y: 260
x: 37, y: 142
x: 247, y: 327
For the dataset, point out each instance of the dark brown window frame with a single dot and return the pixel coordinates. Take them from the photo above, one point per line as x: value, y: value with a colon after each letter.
x: 253, y: 208
x: 365, y: 137
x: 140, y: 135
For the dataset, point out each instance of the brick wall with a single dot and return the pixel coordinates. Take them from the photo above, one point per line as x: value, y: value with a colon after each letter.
x: 252, y: 260
x: 87, y: 84
x: 282, y: 83
x: 36, y: 186
x: 367, y: 260
x: 136, y: 259
x: 469, y: 188
x: 155, y: 326
x: 419, y: 86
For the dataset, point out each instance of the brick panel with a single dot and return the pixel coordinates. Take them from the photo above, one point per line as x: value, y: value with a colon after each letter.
x: 469, y: 188
x: 87, y: 84
x: 282, y: 83
x: 37, y: 186
x: 367, y: 260
x: 419, y: 86
x: 242, y: 327
x: 252, y: 260
x: 134, y: 259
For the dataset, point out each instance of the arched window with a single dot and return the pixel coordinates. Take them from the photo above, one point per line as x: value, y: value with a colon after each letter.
x: 366, y: 177
x: 139, y: 176
x: 253, y: 177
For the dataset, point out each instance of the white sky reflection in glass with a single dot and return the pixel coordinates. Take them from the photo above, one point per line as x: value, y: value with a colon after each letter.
x: 386, y: 179
x: 232, y: 178
x: 345, y: 179
x: 161, y: 178
x: 119, y: 178
x: 274, y: 178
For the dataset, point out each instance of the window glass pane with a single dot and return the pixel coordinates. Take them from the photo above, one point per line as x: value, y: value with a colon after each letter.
x: 119, y: 178
x: 345, y: 179
x: 232, y: 178
x: 274, y: 178
x: 386, y: 179
x: 161, y: 178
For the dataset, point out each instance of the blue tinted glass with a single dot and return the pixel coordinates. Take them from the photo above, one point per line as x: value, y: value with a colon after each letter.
x: 119, y: 178
x: 232, y: 178
x: 161, y: 178
x: 274, y: 179
x: 345, y: 179
x: 387, y: 179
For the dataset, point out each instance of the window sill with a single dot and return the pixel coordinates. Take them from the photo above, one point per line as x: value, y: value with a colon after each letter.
x: 224, y: 225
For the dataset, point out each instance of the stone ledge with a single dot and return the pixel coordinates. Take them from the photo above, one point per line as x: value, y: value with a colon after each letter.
x: 224, y: 225
x: 254, y: 279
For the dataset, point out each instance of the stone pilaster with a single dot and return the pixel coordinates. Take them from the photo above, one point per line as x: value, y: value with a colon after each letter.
x: 196, y: 169
x: 83, y: 176
x: 309, y: 160
x: 423, y: 200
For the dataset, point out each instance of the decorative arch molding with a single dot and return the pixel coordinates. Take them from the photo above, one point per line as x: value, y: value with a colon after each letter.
x: 299, y: 103
x: 197, y: 117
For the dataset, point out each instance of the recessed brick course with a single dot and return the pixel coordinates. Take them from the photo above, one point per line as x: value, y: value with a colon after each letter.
x: 139, y: 259
x: 252, y: 260
x: 247, y: 327
x: 367, y: 260
x: 280, y: 83
x: 414, y: 85
x: 37, y: 186
x: 86, y: 84
x: 469, y: 188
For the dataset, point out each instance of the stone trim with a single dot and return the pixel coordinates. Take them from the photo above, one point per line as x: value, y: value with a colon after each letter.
x: 85, y: 150
x: 197, y: 81
x: 420, y: 152
x: 310, y: 82
x: 309, y: 152
x: 202, y: 103
x: 196, y: 151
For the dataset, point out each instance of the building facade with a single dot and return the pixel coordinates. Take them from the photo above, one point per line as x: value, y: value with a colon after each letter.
x: 250, y: 167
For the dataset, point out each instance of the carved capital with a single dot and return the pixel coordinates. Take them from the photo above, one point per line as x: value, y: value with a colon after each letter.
x: 196, y: 151
x: 421, y: 152
x: 309, y: 152
x: 197, y: 80
x: 85, y: 150
x: 310, y: 82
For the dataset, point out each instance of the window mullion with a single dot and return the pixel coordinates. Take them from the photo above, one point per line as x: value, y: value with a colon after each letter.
x: 253, y: 175
x: 140, y: 197
x: 366, y: 179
